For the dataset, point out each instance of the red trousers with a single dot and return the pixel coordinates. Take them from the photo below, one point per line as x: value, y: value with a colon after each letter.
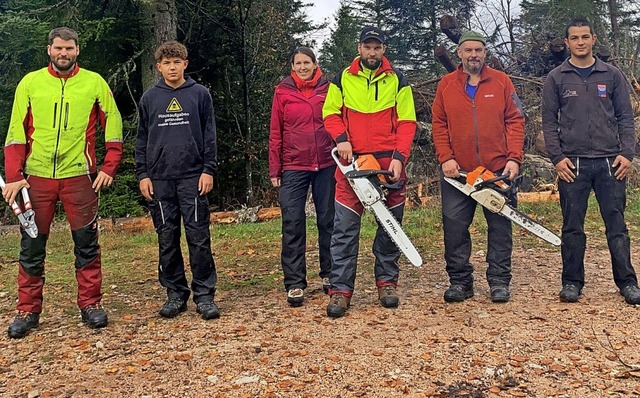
x: 80, y: 204
x: 346, y: 197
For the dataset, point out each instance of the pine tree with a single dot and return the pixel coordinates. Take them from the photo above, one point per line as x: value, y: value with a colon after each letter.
x: 340, y: 49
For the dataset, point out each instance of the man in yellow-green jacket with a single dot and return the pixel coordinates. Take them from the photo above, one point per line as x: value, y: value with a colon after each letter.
x: 369, y: 112
x: 50, y: 149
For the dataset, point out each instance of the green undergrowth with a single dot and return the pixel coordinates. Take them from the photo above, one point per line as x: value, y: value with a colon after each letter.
x: 248, y: 255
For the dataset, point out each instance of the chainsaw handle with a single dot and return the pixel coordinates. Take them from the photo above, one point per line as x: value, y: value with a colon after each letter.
x: 396, y: 185
x: 491, y: 183
x: 367, y: 173
x: 376, y: 181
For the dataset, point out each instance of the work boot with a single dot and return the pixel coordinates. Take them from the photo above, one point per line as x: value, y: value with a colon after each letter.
x: 457, y: 293
x: 388, y: 296
x: 94, y: 316
x: 500, y: 294
x: 631, y: 294
x: 207, y: 309
x: 338, y: 304
x: 570, y: 293
x: 295, y: 297
x: 172, y: 307
x: 23, y: 322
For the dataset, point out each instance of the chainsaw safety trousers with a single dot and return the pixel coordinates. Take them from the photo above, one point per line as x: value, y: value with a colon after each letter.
x: 80, y: 204
x: 349, y: 199
x: 345, y: 246
x: 176, y: 200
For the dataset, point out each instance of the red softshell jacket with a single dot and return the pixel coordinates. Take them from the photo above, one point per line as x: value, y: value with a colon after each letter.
x: 298, y: 139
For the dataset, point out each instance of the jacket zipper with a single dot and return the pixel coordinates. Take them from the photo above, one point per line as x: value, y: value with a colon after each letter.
x: 66, y: 115
x: 55, y: 113
x: 63, y: 82
x: 475, y: 129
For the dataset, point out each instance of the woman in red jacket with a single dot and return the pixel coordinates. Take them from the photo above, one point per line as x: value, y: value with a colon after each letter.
x: 299, y: 157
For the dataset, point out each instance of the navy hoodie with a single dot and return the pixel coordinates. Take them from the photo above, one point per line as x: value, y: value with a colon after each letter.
x: 176, y: 132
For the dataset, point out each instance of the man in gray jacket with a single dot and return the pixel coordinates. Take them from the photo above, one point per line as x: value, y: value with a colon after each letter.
x: 587, y: 120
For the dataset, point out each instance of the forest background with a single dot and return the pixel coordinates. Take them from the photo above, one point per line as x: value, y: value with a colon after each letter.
x: 239, y: 50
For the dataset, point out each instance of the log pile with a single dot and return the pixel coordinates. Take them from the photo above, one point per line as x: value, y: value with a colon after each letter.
x: 145, y: 224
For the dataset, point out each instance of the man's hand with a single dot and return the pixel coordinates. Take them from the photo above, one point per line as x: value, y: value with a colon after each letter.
x: 624, y: 166
x: 565, y: 169
x: 276, y: 182
x: 451, y: 168
x: 11, y: 190
x: 146, y: 188
x: 205, y: 184
x: 345, y: 151
x: 396, y: 168
x: 103, y: 180
x: 511, y: 169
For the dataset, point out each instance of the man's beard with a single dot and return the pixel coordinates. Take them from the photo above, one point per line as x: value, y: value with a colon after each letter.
x: 64, y: 68
x: 475, y: 67
x: 372, y: 64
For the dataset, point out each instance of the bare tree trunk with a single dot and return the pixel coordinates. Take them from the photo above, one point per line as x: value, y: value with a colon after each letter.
x: 443, y: 56
x: 245, y: 70
x: 615, y: 29
x: 160, y: 25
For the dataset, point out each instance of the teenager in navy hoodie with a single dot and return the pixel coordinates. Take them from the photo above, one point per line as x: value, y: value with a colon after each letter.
x: 176, y: 158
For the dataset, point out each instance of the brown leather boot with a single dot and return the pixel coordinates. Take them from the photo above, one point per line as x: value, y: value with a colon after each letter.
x: 388, y: 296
x: 338, y: 305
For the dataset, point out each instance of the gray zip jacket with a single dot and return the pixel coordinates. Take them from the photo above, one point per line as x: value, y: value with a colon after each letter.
x: 589, y: 117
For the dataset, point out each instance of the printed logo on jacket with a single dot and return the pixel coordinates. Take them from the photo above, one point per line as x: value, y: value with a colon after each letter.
x: 171, y: 118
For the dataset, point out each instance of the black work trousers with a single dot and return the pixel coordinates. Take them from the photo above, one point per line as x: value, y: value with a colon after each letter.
x: 175, y: 200
x: 595, y: 174
x: 293, y: 198
x: 458, y: 210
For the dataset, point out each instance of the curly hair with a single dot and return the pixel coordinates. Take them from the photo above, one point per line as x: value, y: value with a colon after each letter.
x: 171, y: 49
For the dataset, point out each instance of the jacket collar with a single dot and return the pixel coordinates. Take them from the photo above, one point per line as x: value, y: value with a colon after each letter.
x: 462, y: 76
x: 599, y: 66
x: 311, y: 83
x: 54, y: 73
x: 385, y: 66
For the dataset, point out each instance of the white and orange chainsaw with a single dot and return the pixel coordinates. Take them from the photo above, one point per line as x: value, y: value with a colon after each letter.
x: 490, y: 190
x: 27, y: 217
x: 370, y: 190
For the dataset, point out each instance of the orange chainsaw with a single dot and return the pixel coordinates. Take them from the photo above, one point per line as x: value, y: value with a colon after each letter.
x: 490, y: 190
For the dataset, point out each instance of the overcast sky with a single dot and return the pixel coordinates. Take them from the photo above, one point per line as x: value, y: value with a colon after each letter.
x: 319, y: 11
x: 322, y: 9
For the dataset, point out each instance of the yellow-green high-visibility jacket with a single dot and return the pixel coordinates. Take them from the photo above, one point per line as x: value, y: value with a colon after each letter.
x: 373, y: 110
x: 52, y: 133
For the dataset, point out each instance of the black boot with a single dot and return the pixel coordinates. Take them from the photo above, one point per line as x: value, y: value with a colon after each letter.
x: 207, y: 309
x: 94, y: 316
x: 172, y: 307
x: 24, y: 322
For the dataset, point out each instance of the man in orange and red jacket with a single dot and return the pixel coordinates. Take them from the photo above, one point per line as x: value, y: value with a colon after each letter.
x: 477, y: 120
x: 369, y: 110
